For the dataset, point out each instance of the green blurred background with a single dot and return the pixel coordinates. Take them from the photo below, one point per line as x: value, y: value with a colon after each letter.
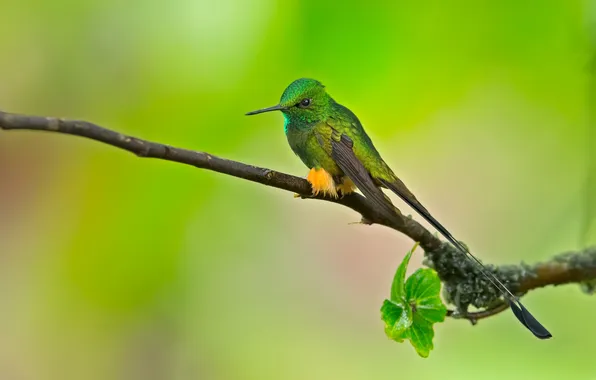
x: 113, y: 267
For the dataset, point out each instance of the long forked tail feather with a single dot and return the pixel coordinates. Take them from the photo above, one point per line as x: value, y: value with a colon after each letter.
x: 522, y: 314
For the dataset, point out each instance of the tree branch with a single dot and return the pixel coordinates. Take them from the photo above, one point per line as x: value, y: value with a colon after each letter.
x: 464, y: 285
x: 202, y: 160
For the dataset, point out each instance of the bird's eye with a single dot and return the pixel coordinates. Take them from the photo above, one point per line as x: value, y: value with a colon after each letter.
x: 304, y: 103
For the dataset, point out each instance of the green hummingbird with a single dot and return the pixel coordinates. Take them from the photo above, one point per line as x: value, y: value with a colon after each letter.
x: 331, y: 141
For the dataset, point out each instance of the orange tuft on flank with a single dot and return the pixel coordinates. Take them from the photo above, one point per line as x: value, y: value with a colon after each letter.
x: 346, y: 187
x: 321, y: 181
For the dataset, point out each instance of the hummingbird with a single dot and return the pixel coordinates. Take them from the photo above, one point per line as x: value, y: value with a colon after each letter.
x: 331, y: 142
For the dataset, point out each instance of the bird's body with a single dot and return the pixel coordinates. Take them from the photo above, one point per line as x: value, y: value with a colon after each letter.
x: 311, y: 141
x: 331, y: 141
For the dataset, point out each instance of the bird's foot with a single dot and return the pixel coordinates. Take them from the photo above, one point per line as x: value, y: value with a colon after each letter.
x: 346, y: 187
x: 322, y: 182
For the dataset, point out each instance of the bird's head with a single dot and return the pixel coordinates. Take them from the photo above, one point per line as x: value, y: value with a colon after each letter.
x: 304, y: 99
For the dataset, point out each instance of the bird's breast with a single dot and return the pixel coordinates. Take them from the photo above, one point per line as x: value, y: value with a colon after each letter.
x: 297, y: 138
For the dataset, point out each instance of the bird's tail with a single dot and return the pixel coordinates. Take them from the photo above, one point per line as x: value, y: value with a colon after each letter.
x: 522, y: 314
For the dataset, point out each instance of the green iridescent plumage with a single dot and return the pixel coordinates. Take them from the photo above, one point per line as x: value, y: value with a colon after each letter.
x: 310, y: 130
x: 326, y: 135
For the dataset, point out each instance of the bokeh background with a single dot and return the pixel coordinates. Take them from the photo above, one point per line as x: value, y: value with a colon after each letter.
x: 114, y: 267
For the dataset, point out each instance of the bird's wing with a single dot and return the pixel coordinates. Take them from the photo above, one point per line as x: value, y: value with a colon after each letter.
x: 340, y: 147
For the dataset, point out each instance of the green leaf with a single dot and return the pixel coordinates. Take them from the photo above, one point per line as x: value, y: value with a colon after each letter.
x: 414, y: 307
x: 398, y: 293
x: 423, y: 290
x: 421, y: 335
x: 397, y: 320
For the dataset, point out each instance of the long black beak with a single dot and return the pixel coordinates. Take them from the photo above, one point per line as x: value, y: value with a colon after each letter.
x: 269, y: 109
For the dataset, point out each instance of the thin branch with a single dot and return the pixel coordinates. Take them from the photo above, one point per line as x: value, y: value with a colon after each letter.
x: 473, y: 317
x: 464, y: 285
x: 566, y: 268
x: 202, y: 160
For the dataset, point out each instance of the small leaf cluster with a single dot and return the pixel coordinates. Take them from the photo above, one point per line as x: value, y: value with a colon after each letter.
x: 414, y: 307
